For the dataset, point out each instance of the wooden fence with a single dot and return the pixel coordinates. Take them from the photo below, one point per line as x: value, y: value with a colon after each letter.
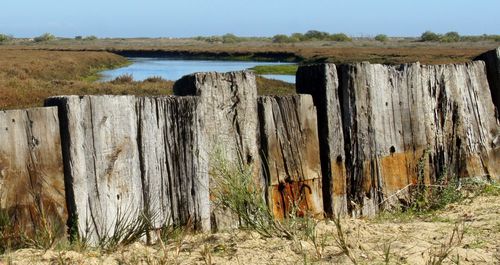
x: 351, y: 142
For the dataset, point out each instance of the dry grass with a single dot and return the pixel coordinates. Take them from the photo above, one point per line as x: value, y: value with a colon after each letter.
x: 274, y: 87
x: 28, y: 77
x: 368, y: 242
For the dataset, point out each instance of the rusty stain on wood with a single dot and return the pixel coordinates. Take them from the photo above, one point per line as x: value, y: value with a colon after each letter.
x: 299, y: 196
x: 338, y: 173
x: 290, y: 154
x: 397, y: 171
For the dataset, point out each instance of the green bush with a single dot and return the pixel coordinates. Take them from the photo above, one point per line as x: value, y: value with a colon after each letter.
x: 339, y: 37
x: 78, y: 38
x: 381, y: 38
x: 154, y: 79
x: 4, y: 38
x: 44, y: 37
x: 230, y: 38
x: 450, y: 37
x: 213, y: 39
x: 281, y: 38
x: 91, y: 37
x: 316, y: 35
x: 429, y: 36
x: 298, y: 37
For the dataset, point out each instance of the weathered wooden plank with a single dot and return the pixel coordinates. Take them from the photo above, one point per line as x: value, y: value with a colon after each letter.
x: 492, y: 60
x: 465, y: 124
x: 384, y: 138
x: 398, y: 119
x: 127, y: 158
x: 102, y: 167
x: 31, y: 172
x: 174, y: 173
x: 227, y: 113
x: 321, y: 81
x: 401, y: 115
x: 290, y: 154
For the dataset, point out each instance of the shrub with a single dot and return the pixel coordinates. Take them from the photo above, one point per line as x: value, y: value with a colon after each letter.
x: 5, y: 38
x: 451, y: 37
x: 91, y: 37
x: 317, y: 35
x: 381, y: 38
x: 213, y: 39
x: 78, y: 38
x: 339, y: 37
x: 230, y: 38
x: 44, y: 37
x: 281, y: 38
x: 154, y: 79
x: 236, y: 190
x: 123, y: 79
x: 429, y: 36
x: 298, y: 36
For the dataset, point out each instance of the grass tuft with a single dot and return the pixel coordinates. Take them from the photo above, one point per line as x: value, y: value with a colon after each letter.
x: 438, y: 255
x: 154, y: 79
x: 123, y: 79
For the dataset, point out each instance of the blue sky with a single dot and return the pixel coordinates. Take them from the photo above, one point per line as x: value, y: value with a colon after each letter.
x: 184, y: 18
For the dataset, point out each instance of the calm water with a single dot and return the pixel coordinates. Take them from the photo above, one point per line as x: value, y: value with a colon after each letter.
x: 173, y: 69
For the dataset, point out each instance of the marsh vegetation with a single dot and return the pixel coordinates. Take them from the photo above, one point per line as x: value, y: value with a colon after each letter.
x: 28, y: 77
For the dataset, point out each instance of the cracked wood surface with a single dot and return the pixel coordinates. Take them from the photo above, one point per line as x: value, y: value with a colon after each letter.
x: 129, y: 156
x: 99, y: 138
x: 227, y: 116
x: 290, y: 154
x: 31, y: 172
x: 393, y: 117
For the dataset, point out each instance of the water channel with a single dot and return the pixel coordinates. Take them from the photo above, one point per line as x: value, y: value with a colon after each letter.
x: 173, y: 69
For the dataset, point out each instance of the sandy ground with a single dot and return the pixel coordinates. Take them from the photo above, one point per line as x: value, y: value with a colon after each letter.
x: 390, y: 239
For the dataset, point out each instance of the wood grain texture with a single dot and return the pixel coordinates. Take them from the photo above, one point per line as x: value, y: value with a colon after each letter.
x: 31, y: 172
x: 102, y: 158
x: 290, y: 154
x: 129, y: 157
x: 174, y: 173
x: 397, y: 117
x: 227, y: 115
x: 322, y: 82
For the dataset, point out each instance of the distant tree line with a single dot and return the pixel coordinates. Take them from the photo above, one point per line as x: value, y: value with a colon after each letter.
x: 454, y: 36
x: 5, y: 38
x: 91, y: 37
x: 228, y: 38
x: 310, y: 35
x: 316, y: 35
x: 44, y: 37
